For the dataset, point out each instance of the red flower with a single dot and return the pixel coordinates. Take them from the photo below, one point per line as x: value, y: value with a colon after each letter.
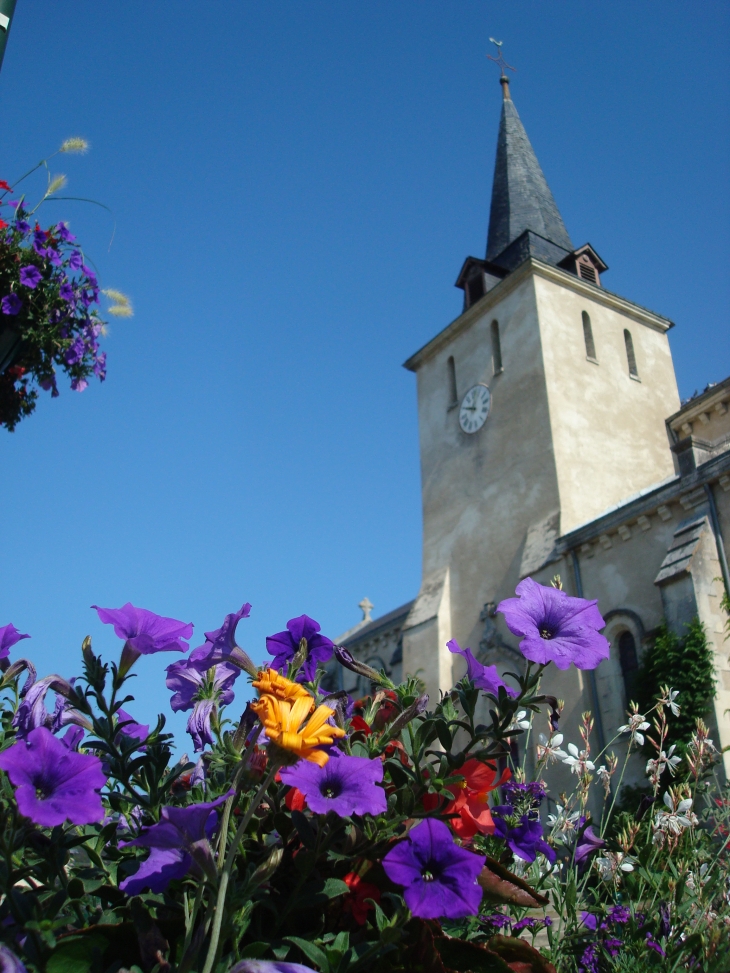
x: 471, y: 798
x: 359, y: 892
x: 3, y: 225
x: 358, y: 725
x: 396, y: 749
x: 295, y: 800
x: 4, y: 185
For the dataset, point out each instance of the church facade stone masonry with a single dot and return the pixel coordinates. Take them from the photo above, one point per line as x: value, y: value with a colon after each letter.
x: 582, y: 462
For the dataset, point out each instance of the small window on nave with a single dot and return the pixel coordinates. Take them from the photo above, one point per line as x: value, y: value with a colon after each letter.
x: 630, y: 356
x: 588, y: 337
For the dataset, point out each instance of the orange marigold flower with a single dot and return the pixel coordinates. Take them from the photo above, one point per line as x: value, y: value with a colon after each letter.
x: 272, y: 684
x: 282, y: 721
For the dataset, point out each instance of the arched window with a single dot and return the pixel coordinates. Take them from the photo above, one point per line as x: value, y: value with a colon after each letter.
x: 629, y: 662
x: 496, y: 349
x: 588, y: 337
x: 453, y: 394
x: 630, y: 356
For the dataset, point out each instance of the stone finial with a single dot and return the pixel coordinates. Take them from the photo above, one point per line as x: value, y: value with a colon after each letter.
x: 366, y: 606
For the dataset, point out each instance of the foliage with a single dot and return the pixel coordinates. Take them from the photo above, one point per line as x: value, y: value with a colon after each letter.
x: 48, y: 318
x: 205, y: 866
x: 687, y: 665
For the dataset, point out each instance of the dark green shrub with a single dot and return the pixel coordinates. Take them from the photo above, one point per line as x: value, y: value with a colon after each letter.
x: 684, y: 664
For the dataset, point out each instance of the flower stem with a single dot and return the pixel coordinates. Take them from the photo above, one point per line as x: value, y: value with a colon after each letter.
x: 228, y: 866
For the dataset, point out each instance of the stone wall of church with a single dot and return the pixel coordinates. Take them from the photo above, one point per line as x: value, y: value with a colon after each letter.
x: 608, y: 427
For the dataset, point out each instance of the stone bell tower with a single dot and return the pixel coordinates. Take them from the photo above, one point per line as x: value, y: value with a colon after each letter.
x: 541, y: 406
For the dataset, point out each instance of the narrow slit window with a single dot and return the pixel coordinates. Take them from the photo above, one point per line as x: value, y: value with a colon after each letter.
x: 496, y: 349
x: 630, y: 356
x: 588, y: 337
x: 629, y: 662
x: 453, y: 394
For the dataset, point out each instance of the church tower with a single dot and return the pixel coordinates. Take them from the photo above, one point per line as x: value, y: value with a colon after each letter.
x: 540, y: 407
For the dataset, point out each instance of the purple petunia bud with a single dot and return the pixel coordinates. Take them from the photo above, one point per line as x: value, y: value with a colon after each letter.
x: 414, y: 710
x: 346, y: 659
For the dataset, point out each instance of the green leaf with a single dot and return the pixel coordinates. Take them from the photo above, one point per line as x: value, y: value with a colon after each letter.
x: 334, y: 887
x: 255, y: 950
x: 571, y: 894
x: 77, y: 955
x: 305, y: 829
x: 312, y: 952
x: 444, y: 735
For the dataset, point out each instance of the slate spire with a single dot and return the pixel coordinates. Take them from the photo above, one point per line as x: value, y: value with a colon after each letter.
x: 521, y: 197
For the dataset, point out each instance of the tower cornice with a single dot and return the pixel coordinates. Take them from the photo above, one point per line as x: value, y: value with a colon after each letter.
x: 536, y: 268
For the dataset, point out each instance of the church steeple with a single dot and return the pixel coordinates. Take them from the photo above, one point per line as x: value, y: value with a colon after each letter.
x: 521, y: 197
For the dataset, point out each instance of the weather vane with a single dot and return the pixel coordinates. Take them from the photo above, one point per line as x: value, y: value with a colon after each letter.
x: 499, y: 59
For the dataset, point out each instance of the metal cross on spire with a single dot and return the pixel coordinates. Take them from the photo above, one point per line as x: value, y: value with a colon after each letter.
x: 499, y: 59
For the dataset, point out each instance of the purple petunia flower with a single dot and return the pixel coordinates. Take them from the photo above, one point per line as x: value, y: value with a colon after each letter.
x: 587, y: 844
x: 144, y: 632
x: 66, y: 292
x: 63, y: 233
x: 74, y: 261
x: 202, y: 692
x: 178, y: 844
x: 220, y: 645
x: 525, y: 839
x: 75, y: 352
x: 32, y: 711
x: 52, y: 783
x: 30, y: 276
x: 9, y: 636
x: 267, y: 966
x: 555, y: 627
x: 100, y: 367
x: 439, y: 877
x: 22, y: 226
x: 132, y: 729
x: 9, y: 962
x: 72, y: 737
x: 483, y: 677
x: 284, y: 645
x: 345, y: 785
x: 11, y: 304
x: 588, y: 920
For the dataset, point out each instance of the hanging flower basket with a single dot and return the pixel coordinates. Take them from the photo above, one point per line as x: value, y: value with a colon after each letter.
x: 49, y: 296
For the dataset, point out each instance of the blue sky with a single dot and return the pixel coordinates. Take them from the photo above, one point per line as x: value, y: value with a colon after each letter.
x: 295, y: 187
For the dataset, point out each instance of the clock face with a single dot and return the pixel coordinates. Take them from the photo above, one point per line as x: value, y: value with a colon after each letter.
x: 475, y: 408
